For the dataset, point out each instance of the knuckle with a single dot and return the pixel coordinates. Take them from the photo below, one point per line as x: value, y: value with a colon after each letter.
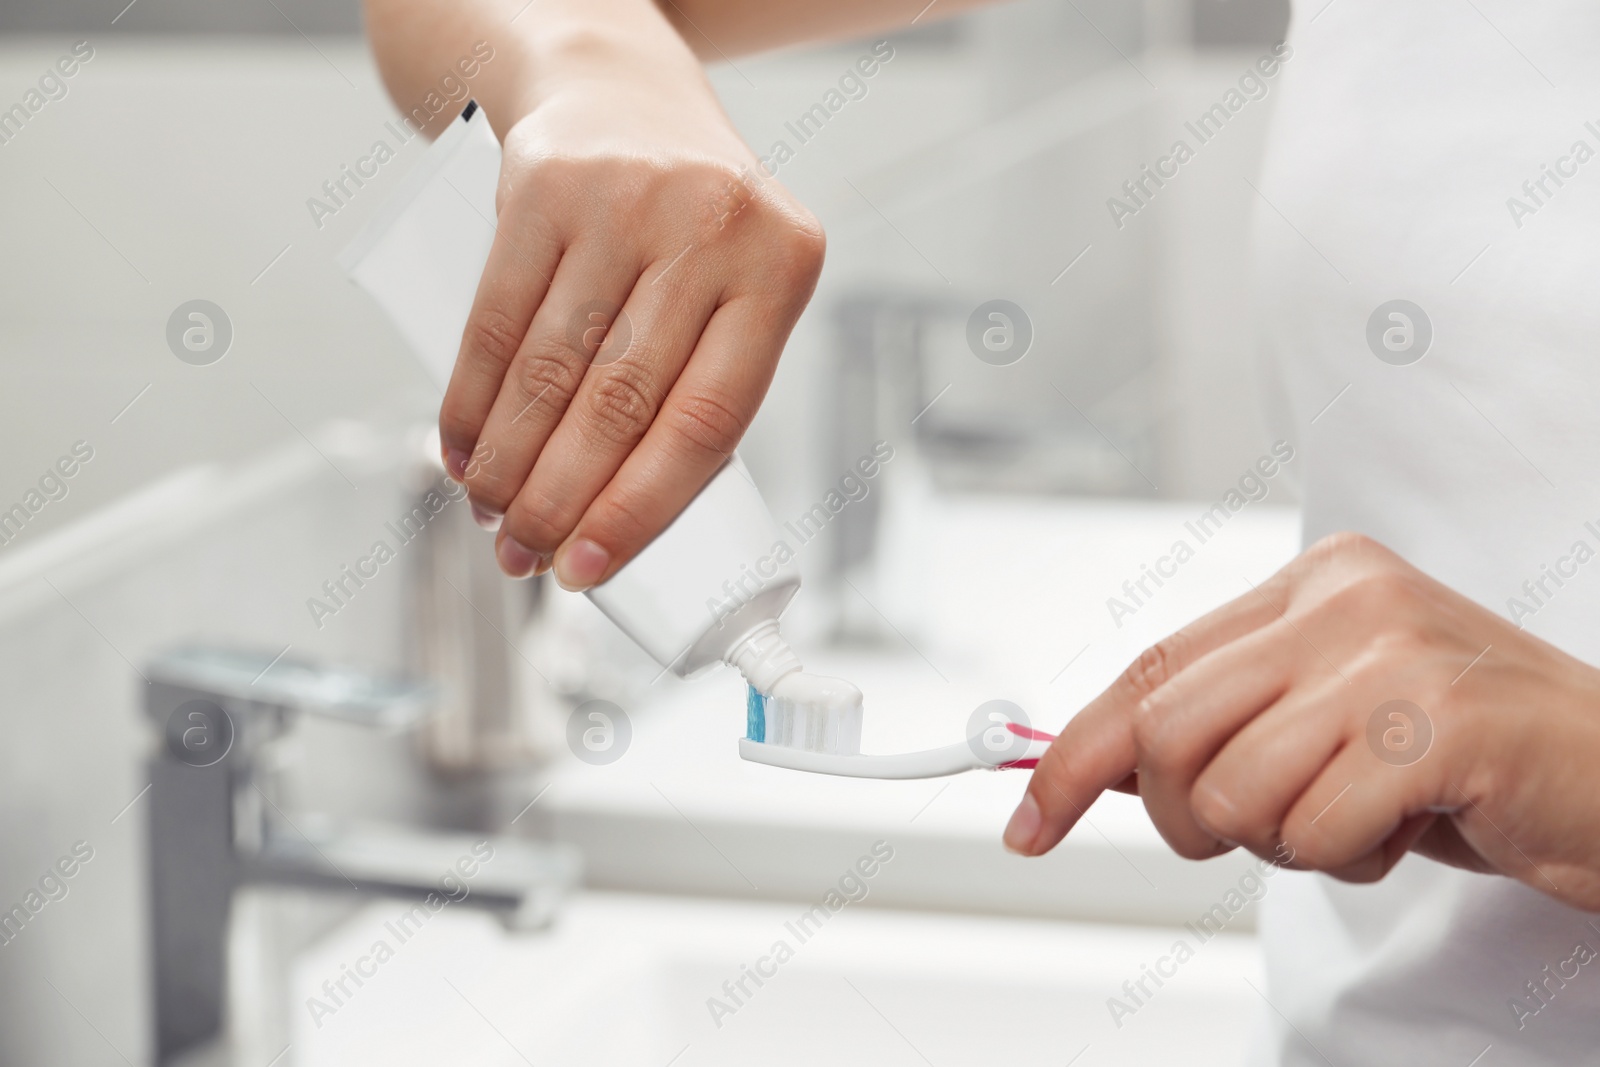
x: 487, y: 490
x: 792, y: 251
x: 493, y: 337
x: 536, y: 521
x: 1387, y: 586
x: 743, y: 202
x: 728, y: 194
x: 708, y: 422
x: 621, y: 405
x: 1154, y: 667
x: 545, y: 370
x: 1382, y: 598
x: 1352, y: 551
x: 1398, y: 645
x: 620, y: 519
x: 1146, y: 721
x: 1343, y: 543
x: 1160, y: 748
x: 737, y: 200
x: 801, y: 248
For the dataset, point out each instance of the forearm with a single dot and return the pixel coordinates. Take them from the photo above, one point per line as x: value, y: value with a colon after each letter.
x: 535, y: 51
x: 539, y: 48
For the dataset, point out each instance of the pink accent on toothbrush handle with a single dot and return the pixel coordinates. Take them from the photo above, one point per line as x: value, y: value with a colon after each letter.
x: 1031, y: 734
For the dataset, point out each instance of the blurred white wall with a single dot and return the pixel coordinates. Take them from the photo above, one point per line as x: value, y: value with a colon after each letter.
x: 175, y: 170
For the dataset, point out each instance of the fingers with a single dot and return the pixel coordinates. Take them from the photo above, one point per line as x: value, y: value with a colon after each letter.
x: 549, y: 367
x: 1180, y: 727
x: 1381, y: 860
x: 1163, y: 661
x: 522, y: 260
x: 694, y: 432
x: 1241, y: 729
x: 1247, y: 787
x: 1097, y: 751
x: 614, y: 404
x: 1355, y: 805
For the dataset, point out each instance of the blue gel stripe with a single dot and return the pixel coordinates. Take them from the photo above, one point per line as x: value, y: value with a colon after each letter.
x: 755, y: 727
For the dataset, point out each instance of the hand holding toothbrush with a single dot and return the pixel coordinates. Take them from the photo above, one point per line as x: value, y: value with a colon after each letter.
x: 1353, y: 709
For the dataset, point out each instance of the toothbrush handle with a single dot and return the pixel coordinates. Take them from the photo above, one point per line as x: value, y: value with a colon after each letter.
x: 1038, y: 742
x: 930, y: 763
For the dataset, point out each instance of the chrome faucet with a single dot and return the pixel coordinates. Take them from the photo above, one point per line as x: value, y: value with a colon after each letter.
x: 216, y: 826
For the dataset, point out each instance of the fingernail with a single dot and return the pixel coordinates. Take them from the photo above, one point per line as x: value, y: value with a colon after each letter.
x: 485, y: 518
x: 455, y: 463
x: 1023, y: 827
x: 581, y: 565
x: 516, y: 559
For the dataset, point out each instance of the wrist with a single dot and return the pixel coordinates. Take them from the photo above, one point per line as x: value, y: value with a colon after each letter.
x: 577, y: 51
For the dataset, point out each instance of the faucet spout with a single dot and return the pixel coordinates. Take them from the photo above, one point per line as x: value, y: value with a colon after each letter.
x: 209, y: 834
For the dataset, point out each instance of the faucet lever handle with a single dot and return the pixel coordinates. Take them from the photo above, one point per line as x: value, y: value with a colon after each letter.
x: 242, y: 678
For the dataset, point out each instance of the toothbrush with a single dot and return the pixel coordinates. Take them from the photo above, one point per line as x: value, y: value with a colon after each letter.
x: 803, y: 737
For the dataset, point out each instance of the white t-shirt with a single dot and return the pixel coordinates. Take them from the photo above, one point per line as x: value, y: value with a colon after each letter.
x: 1404, y: 134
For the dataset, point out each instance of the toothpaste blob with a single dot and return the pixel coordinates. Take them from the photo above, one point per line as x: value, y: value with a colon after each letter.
x: 806, y: 711
x: 805, y: 722
x: 787, y: 706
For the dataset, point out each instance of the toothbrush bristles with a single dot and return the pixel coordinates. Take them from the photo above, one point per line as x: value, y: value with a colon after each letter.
x: 797, y: 724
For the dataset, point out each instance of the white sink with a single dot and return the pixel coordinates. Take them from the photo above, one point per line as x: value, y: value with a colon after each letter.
x: 626, y: 980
